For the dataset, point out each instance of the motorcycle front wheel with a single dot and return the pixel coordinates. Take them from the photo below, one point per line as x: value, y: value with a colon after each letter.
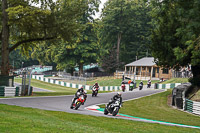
x: 115, y: 111
x: 78, y: 104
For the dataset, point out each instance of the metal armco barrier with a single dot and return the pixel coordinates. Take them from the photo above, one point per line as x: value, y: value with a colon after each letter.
x: 72, y: 85
x: 9, y: 91
x: 166, y: 86
x: 192, y: 106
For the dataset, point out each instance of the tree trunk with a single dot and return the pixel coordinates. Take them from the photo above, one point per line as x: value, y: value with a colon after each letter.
x: 72, y: 71
x: 5, y: 40
x: 81, y: 69
x: 196, y: 76
x: 118, y: 46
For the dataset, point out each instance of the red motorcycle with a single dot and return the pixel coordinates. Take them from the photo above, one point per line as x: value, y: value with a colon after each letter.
x: 78, y: 102
x: 123, y: 87
x: 95, y: 91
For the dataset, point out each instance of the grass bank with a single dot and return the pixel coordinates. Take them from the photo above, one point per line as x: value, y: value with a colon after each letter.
x: 196, y: 96
x: 58, y: 90
x: 110, y: 81
x: 18, y: 119
x: 155, y: 107
x: 176, y: 80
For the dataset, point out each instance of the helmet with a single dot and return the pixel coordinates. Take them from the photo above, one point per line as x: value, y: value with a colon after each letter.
x: 119, y: 93
x: 96, y: 83
x: 78, y: 93
x: 81, y: 87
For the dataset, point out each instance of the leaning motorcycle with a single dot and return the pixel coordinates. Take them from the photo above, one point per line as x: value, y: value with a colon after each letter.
x: 123, y: 87
x: 140, y: 86
x: 113, y: 108
x: 78, y: 102
x: 94, y: 92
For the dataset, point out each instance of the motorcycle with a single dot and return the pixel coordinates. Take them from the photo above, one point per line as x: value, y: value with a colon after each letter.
x: 140, y: 86
x: 78, y: 102
x: 94, y: 91
x: 113, y: 108
x: 131, y: 86
x: 149, y: 85
x: 123, y: 87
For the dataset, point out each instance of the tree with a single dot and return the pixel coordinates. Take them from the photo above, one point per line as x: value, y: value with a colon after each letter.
x: 81, y: 50
x: 26, y: 25
x: 175, y: 38
x: 126, y: 24
x: 108, y: 62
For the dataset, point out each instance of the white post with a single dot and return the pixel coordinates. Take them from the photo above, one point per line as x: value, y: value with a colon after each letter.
x: 140, y: 72
x: 29, y: 85
x: 151, y: 72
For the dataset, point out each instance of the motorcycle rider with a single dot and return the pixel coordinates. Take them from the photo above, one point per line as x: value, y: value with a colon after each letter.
x: 149, y: 83
x: 85, y: 96
x: 141, y: 85
x: 123, y: 86
x: 115, y: 97
x: 131, y: 86
x: 79, y: 92
x: 95, y: 86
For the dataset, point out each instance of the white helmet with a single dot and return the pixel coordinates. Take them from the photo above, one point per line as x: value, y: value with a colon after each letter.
x: 119, y: 93
x: 78, y: 93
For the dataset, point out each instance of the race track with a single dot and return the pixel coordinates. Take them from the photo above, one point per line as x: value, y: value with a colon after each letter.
x: 62, y: 103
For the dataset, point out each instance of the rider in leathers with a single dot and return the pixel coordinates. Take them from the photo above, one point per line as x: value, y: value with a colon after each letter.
x: 81, y: 92
x: 115, y: 97
x: 96, y: 86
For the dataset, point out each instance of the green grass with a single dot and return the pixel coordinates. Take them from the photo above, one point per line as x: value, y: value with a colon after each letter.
x: 176, y: 80
x: 196, y: 97
x: 14, y: 119
x: 58, y: 90
x: 155, y: 107
x: 108, y: 81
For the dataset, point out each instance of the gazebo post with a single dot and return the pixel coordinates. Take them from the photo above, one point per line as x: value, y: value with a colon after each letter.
x: 140, y: 72
x: 151, y: 72
x: 146, y: 72
x: 135, y: 70
x: 132, y: 71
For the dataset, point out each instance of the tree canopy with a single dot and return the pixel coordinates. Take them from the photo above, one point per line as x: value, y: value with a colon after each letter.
x: 175, y: 38
x: 25, y: 25
x: 82, y: 49
x: 126, y: 25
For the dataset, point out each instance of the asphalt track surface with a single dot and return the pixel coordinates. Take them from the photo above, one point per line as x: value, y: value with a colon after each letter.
x: 62, y: 103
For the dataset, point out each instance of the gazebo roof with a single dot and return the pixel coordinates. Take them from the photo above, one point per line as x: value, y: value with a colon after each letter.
x: 146, y: 61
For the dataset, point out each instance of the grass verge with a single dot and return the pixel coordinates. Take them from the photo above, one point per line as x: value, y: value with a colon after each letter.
x: 176, y: 80
x: 18, y: 119
x: 196, y: 97
x: 108, y: 81
x: 155, y: 107
x: 58, y: 90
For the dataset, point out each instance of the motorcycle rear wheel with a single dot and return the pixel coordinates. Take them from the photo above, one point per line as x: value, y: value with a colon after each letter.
x: 105, y: 111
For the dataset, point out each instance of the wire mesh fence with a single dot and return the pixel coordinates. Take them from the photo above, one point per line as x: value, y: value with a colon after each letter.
x: 182, y: 74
